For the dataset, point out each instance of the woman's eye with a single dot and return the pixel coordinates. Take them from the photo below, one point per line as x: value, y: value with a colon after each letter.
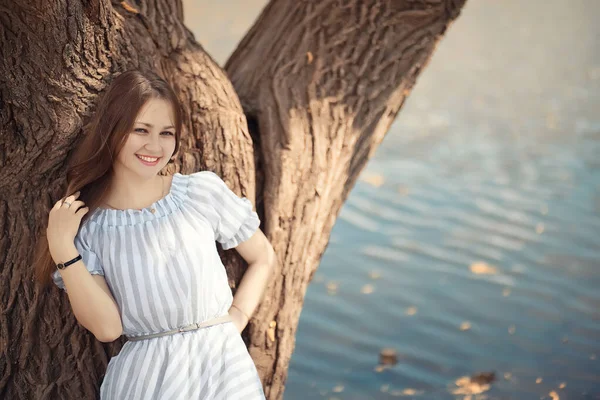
x: 142, y: 130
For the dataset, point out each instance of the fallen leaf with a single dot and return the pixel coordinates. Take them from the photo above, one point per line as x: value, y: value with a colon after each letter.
x: 465, y: 326
x: 512, y: 329
x: 338, y: 389
x: 412, y: 310
x: 506, y: 292
x: 372, y: 179
x: 332, y: 288
x: 483, y: 378
x: 388, y: 356
x: 539, y: 228
x: 562, y: 385
x: 374, y: 274
x: 554, y: 395
x: 405, y: 392
x: 481, y: 268
x: 467, y: 387
x: 538, y: 380
x: 367, y: 289
x: 463, y: 381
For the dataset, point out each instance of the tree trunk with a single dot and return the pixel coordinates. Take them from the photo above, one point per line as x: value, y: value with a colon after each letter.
x: 320, y: 83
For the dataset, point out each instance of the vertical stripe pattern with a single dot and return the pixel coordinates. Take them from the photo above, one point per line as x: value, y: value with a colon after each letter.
x: 164, y: 271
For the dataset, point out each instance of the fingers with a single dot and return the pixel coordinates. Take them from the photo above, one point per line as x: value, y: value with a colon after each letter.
x: 82, y: 211
x: 70, y: 199
x: 76, y: 204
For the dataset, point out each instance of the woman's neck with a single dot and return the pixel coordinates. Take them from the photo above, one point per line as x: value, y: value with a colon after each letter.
x: 126, y: 193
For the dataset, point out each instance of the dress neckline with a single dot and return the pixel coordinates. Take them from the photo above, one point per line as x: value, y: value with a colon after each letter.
x: 151, y: 206
x: 162, y: 207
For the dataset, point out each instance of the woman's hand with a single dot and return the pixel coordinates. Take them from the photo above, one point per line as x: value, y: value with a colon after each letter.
x: 63, y: 224
x: 239, y: 319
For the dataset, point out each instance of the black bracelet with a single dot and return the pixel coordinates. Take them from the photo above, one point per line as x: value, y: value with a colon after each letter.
x: 66, y: 264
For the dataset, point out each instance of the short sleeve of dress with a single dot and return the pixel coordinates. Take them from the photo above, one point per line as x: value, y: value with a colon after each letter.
x: 89, y: 258
x: 233, y: 220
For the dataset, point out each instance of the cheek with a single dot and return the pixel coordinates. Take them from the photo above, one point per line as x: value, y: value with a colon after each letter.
x: 170, y: 145
x: 131, y: 146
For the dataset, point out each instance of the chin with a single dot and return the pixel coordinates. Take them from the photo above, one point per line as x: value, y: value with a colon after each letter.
x: 149, y: 172
x: 144, y: 171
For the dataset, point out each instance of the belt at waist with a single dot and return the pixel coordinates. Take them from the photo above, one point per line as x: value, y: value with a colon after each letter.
x: 192, y: 327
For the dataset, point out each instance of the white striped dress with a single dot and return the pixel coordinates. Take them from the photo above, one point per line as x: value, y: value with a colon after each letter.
x: 164, y: 271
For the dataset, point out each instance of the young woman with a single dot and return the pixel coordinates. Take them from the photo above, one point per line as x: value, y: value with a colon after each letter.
x: 136, y: 253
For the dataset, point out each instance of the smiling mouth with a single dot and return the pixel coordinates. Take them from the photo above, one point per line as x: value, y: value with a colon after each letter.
x: 148, y: 160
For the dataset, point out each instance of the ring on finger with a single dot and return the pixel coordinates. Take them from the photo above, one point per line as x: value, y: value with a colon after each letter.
x: 67, y: 203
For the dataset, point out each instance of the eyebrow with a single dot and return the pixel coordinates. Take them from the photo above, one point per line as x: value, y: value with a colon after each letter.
x: 151, y: 126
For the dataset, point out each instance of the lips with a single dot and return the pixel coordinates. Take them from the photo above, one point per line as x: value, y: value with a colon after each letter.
x: 147, y: 160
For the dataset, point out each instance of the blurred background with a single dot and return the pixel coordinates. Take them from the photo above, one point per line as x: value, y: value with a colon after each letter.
x: 471, y: 242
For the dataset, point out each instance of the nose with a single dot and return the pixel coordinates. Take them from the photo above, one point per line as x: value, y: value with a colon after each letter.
x: 153, y: 144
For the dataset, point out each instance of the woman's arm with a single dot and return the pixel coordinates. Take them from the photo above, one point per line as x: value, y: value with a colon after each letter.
x: 91, y: 300
x: 260, y: 256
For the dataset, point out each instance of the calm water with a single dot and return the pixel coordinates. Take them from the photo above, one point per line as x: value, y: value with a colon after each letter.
x: 494, y: 163
x: 472, y: 242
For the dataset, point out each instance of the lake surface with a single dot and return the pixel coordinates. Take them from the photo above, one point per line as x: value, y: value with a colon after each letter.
x: 472, y: 241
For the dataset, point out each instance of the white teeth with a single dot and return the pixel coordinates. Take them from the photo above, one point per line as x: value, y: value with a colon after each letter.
x: 149, y: 159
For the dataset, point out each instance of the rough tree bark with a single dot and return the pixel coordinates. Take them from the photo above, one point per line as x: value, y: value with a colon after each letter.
x: 319, y: 84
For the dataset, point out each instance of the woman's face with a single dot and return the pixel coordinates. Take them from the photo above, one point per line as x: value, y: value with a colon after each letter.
x: 151, y: 143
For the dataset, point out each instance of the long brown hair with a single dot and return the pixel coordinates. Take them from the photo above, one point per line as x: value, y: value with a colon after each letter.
x: 90, y: 168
